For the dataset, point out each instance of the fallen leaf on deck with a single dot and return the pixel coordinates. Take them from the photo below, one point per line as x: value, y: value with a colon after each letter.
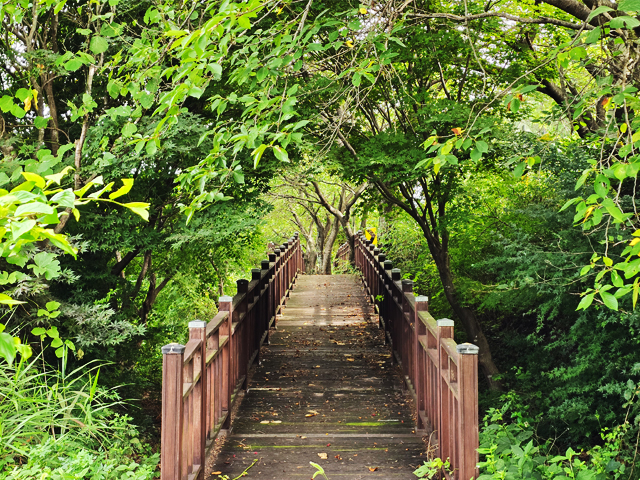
x: 323, y: 456
x: 373, y: 469
x: 216, y: 473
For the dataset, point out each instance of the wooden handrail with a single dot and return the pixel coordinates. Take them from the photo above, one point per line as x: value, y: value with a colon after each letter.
x: 200, y: 380
x: 441, y: 375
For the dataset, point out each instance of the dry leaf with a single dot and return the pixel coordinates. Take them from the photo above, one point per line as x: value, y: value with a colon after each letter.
x: 373, y: 469
x: 350, y: 360
x: 310, y: 415
x: 276, y: 421
x: 216, y: 473
x: 264, y: 421
x: 323, y: 456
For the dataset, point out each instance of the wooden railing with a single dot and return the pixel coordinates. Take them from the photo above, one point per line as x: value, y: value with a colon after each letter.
x: 200, y: 380
x: 342, y: 255
x: 441, y: 375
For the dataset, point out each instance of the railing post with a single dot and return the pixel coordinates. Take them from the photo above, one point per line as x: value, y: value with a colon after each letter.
x: 407, y: 332
x: 242, y: 349
x: 387, y: 300
x: 265, y: 265
x: 468, y: 411
x: 171, y: 434
x: 444, y: 330
x: 198, y: 331
x: 226, y: 305
x: 273, y: 287
x: 419, y: 368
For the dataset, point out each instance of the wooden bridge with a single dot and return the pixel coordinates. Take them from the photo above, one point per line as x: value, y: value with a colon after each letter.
x: 333, y: 383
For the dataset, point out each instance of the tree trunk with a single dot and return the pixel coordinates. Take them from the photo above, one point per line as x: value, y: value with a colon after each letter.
x: 310, y: 258
x: 328, y: 248
x: 467, y: 316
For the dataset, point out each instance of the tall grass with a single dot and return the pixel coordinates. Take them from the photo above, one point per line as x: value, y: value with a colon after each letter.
x: 38, y: 403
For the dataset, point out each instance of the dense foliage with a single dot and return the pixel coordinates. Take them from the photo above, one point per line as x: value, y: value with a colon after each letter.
x: 151, y: 151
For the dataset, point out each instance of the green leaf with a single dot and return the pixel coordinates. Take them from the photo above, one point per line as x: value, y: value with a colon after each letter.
x: 519, y: 170
x: 7, y: 300
x: 624, y: 21
x: 238, y: 177
x: 51, y: 306
x: 59, y: 6
x: 475, y: 155
x: 40, y: 122
x: 281, y: 154
x: 257, y: 154
x: 127, y: 184
x: 586, y: 301
x: 98, y: 44
x: 356, y: 80
x: 129, y: 129
x: 482, y: 146
x: 262, y: 73
x: 73, y: 64
x: 629, y: 5
x: 598, y: 11
x: 6, y: 103
x: 34, y: 208
x: 609, y: 300
x: 244, y: 22
x: 616, y: 279
x: 7, y: 348
x: 151, y: 147
x: 139, y: 208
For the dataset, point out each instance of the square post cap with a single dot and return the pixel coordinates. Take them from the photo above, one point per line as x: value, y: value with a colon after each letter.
x: 395, y: 274
x: 225, y: 298
x: 388, y: 264
x: 264, y: 264
x: 467, y: 349
x: 272, y: 257
x: 197, y: 324
x: 422, y: 298
x: 256, y: 273
x: 296, y: 234
x: 445, y: 322
x: 382, y: 257
x: 173, y: 349
x: 243, y: 285
x: 277, y: 251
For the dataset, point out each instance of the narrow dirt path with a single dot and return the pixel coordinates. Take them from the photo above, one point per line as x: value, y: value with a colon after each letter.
x: 325, y: 392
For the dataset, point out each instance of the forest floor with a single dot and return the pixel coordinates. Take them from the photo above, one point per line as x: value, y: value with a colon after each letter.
x: 325, y: 392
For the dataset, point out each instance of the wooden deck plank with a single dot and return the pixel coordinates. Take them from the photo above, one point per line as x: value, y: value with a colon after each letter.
x: 325, y: 386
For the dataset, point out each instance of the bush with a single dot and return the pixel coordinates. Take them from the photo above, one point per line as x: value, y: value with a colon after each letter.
x: 63, y: 424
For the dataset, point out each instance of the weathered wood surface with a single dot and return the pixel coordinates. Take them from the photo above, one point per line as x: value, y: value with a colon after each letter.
x: 326, y: 386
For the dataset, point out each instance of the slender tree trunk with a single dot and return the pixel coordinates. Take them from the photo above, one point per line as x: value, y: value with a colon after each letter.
x: 328, y: 248
x: 467, y: 316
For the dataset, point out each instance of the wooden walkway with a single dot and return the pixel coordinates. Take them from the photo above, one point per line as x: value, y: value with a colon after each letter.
x: 325, y: 392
